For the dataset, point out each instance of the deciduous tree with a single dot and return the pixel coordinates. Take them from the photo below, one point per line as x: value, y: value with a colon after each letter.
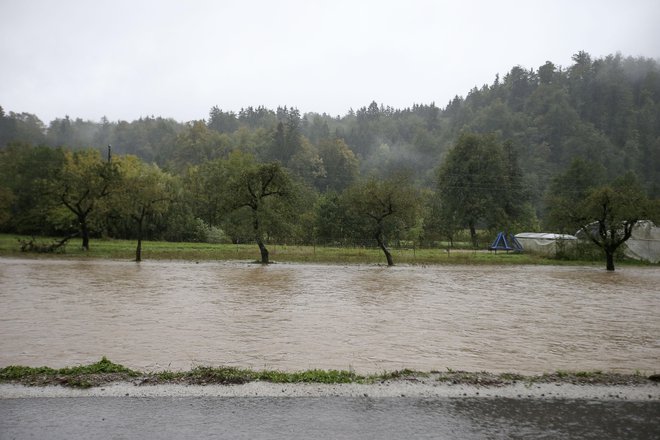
x: 26, y: 173
x: 385, y: 207
x: 257, y: 187
x: 340, y: 163
x: 609, y: 214
x: 145, y: 191
x: 480, y: 182
x: 569, y: 189
x: 84, y: 181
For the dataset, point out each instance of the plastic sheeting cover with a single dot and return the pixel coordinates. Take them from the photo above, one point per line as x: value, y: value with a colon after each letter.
x: 644, y: 243
x: 545, y: 243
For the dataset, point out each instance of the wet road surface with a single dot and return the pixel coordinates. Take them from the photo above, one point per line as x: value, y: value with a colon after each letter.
x: 326, y: 418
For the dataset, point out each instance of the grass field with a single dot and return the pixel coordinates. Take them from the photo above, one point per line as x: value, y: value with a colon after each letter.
x: 160, y: 250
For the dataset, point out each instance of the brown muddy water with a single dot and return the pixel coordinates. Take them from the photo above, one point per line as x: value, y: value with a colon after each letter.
x: 176, y: 315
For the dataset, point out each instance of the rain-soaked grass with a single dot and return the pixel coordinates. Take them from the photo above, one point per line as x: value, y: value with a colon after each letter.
x: 160, y: 250
x: 233, y: 375
x: 81, y: 376
x: 105, y: 371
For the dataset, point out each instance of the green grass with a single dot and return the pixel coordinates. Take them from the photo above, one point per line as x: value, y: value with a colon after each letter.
x: 233, y: 375
x: 19, y: 372
x: 160, y: 250
x: 103, y: 366
x: 81, y: 376
x: 105, y: 371
x: 125, y: 249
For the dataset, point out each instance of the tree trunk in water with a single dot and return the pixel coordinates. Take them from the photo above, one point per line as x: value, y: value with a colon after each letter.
x: 84, y: 232
x: 260, y: 242
x: 388, y: 256
x: 610, y: 259
x: 263, y: 250
x: 381, y: 244
x: 138, y: 249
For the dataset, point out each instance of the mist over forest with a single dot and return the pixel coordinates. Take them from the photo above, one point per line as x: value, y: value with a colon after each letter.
x: 604, y: 112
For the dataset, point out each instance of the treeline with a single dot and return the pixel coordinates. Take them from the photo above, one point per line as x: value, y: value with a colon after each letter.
x: 507, y: 142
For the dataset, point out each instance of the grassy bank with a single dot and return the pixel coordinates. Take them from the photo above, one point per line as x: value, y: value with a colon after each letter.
x: 105, y: 372
x: 160, y: 250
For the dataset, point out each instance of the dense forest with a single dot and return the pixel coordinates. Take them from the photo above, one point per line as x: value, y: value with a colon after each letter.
x: 497, y: 158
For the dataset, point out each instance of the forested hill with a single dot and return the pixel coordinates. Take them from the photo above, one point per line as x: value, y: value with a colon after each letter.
x: 604, y: 110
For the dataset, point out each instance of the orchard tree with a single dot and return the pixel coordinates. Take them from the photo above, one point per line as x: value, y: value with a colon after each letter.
x: 258, y: 188
x: 145, y: 192
x: 84, y: 181
x: 609, y: 213
x: 385, y: 207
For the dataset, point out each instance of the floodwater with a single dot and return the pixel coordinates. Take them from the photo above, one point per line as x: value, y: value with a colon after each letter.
x: 176, y: 315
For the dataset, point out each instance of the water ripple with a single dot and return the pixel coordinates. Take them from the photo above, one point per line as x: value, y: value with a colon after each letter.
x: 152, y: 315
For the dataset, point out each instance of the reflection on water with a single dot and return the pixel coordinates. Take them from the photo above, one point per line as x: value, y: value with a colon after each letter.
x: 175, y: 315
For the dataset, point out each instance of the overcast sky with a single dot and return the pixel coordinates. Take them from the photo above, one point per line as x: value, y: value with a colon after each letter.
x: 128, y: 58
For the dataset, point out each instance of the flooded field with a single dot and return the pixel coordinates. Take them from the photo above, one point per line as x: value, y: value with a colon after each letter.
x: 176, y: 315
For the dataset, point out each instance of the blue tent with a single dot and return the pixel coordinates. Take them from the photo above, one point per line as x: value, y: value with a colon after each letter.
x: 502, y: 243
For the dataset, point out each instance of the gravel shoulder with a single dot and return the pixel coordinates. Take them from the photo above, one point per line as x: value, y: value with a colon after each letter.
x: 417, y: 387
x: 105, y: 378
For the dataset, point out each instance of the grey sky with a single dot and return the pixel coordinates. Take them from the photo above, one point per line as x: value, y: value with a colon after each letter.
x: 128, y: 58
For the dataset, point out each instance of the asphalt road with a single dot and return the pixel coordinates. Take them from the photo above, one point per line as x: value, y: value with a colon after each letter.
x: 326, y: 418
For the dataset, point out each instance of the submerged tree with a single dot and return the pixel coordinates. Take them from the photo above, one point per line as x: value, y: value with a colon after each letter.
x: 257, y: 187
x: 579, y: 201
x: 146, y: 191
x: 609, y: 213
x: 385, y: 207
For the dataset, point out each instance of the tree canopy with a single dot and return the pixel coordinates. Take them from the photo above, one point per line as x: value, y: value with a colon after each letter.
x: 516, y: 154
x: 480, y: 182
x: 381, y: 208
x: 609, y: 213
